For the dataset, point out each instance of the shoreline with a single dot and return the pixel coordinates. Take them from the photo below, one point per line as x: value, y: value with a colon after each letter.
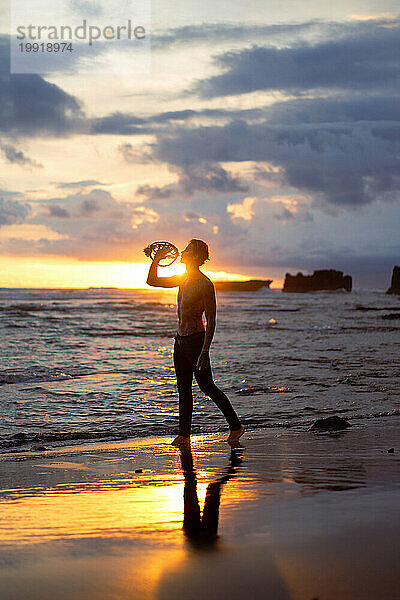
x: 381, y: 421
x: 294, y: 515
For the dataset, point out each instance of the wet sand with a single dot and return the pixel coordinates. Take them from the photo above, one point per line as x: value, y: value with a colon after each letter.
x: 290, y: 515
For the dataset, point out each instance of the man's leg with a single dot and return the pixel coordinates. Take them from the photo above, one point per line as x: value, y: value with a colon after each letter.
x: 184, y: 377
x: 208, y: 387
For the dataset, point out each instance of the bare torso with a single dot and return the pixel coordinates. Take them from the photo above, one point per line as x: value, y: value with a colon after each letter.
x: 191, y: 307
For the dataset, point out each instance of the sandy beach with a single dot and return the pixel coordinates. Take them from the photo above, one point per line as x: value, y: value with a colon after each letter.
x: 289, y: 515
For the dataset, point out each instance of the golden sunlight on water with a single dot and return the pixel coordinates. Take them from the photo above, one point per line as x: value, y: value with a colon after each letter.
x: 76, y: 514
x: 69, y: 512
x: 116, y: 538
x: 80, y: 523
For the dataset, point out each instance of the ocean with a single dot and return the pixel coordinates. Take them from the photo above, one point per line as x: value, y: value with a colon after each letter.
x: 96, y: 364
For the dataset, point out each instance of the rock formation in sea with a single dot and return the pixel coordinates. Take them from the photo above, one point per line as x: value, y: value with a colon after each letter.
x: 327, y: 279
x: 395, y: 283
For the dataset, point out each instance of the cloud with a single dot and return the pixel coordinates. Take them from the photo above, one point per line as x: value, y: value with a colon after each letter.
x: 284, y: 215
x: 281, y: 34
x: 344, y: 164
x: 92, y: 226
x: 203, y: 177
x: 143, y: 214
x: 58, y: 212
x: 132, y: 154
x: 86, y: 8
x: 18, y: 157
x: 220, y: 32
x: 358, y: 62
x: 337, y: 109
x: 153, y: 192
x: 208, y: 177
x: 79, y: 184
x: 12, y: 212
x: 242, y: 210
x: 31, y: 106
x: 29, y: 232
x: 118, y: 124
x: 208, y: 113
x: 190, y: 215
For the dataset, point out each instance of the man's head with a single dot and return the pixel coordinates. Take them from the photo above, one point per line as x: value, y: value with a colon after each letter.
x: 195, y: 253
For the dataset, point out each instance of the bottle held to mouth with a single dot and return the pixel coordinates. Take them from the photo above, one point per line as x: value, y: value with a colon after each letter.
x: 167, y: 252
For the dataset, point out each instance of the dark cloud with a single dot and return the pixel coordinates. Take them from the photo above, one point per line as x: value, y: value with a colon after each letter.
x: 284, y: 215
x: 389, y: 132
x: 337, y: 109
x: 129, y: 124
x: 210, y: 113
x: 95, y: 205
x: 153, y: 192
x: 359, y: 62
x: 118, y: 124
x: 220, y: 32
x: 89, y: 206
x: 190, y: 215
x: 58, y: 212
x: 18, y: 157
x: 208, y: 177
x: 203, y: 177
x: 112, y: 231
x: 132, y: 154
x: 31, y: 106
x: 342, y: 164
x: 79, y: 184
x: 213, y: 33
x: 93, y: 226
x: 12, y: 212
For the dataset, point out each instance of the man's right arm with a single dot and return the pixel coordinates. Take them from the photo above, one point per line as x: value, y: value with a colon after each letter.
x: 166, y: 282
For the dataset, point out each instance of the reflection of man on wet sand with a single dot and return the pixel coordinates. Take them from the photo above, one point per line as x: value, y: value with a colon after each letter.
x: 202, y: 531
x: 191, y: 351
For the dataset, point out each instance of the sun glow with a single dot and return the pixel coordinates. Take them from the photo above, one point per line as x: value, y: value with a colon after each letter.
x: 57, y: 272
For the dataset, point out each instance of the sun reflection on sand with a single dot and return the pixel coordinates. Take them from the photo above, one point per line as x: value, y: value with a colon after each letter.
x: 84, y: 523
x: 119, y: 537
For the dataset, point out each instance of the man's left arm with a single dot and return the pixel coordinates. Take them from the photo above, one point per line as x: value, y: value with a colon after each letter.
x: 210, y: 309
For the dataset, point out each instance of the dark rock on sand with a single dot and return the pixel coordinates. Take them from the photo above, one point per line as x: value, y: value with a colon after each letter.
x: 138, y: 470
x: 395, y: 283
x: 327, y: 279
x: 330, y: 424
x: 391, y: 316
x: 391, y: 451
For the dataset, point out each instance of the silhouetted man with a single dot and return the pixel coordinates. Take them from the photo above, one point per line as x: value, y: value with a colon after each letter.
x: 192, y: 343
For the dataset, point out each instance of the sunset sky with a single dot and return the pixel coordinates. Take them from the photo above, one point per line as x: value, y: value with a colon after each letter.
x: 269, y: 129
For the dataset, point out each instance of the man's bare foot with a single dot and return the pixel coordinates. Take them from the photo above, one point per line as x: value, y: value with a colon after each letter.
x: 235, y: 434
x: 181, y: 440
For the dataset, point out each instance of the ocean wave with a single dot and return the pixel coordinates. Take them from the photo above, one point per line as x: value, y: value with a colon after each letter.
x: 65, y: 438
x: 8, y: 376
x: 372, y: 308
x: 27, y: 308
x: 108, y: 332
x: 253, y: 390
x: 38, y: 441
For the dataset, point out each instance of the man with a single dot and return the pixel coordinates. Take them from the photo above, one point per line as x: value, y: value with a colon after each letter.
x: 192, y: 343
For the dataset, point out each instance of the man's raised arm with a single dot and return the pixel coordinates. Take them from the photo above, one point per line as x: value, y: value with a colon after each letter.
x: 154, y: 280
